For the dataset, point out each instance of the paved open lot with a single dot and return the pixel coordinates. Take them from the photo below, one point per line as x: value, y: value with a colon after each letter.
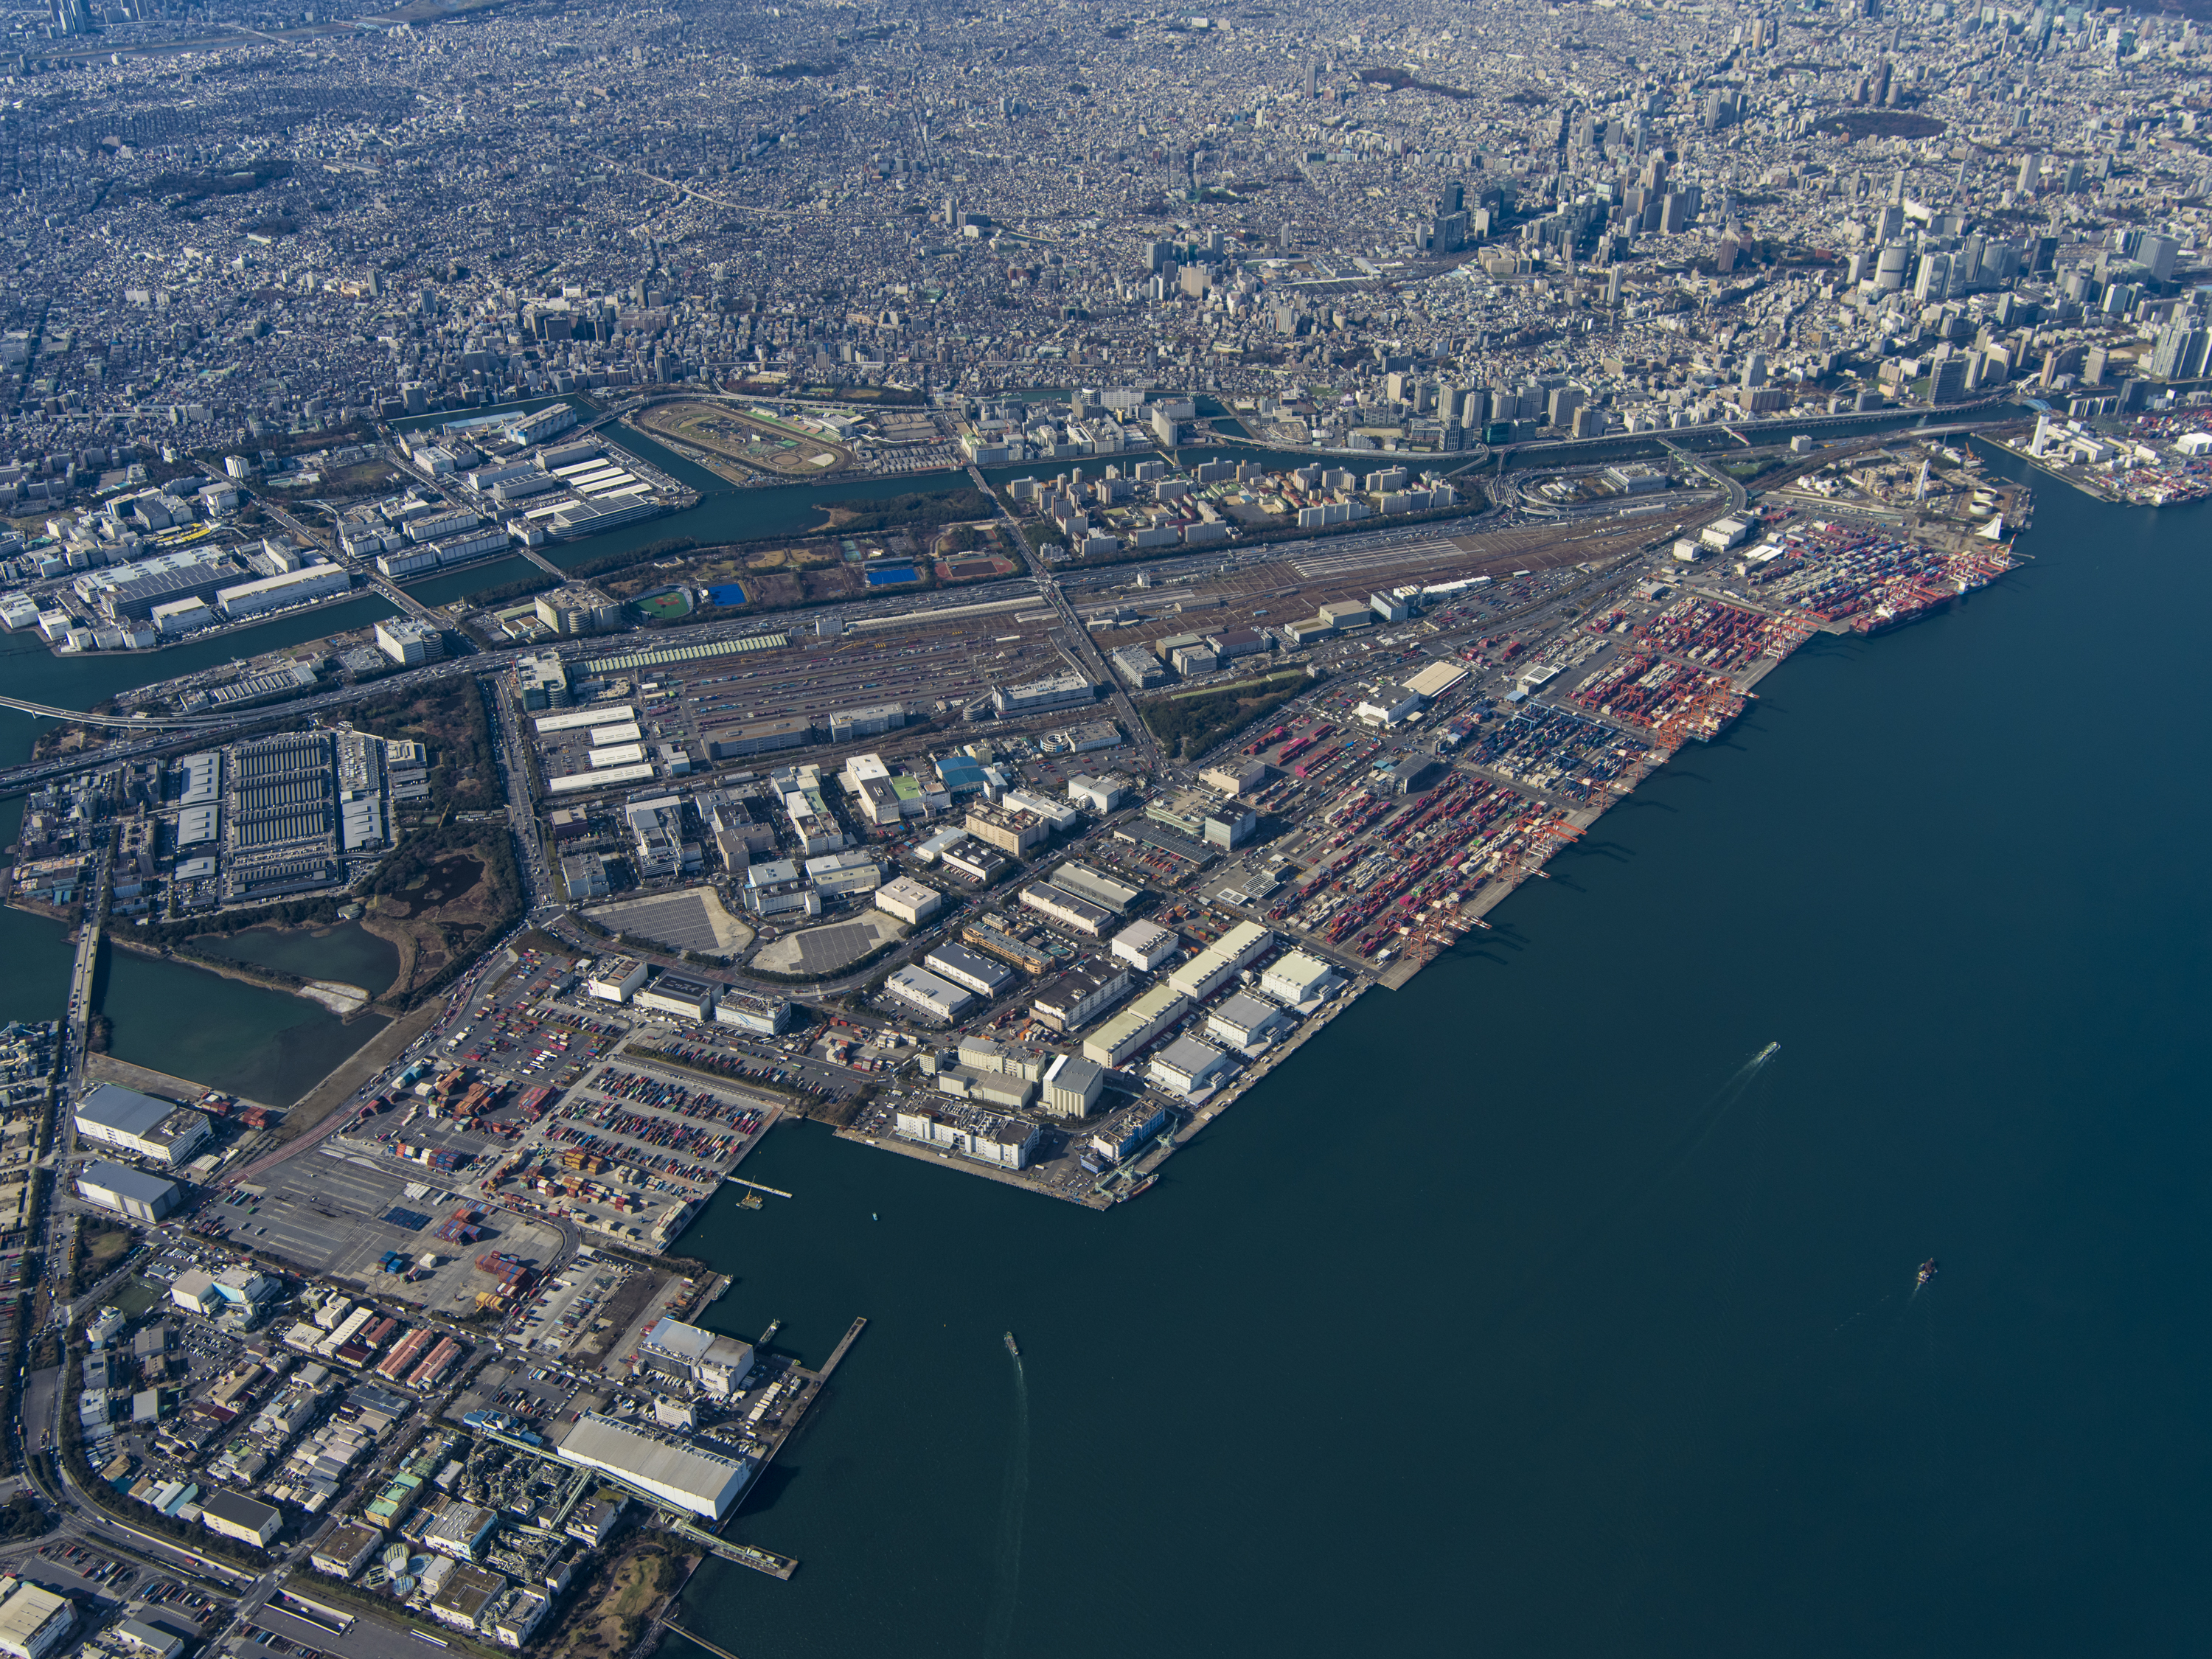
x: 693, y: 919
x: 327, y: 1211
x: 825, y: 950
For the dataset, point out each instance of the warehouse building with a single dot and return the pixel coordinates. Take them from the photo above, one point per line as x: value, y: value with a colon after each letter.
x: 128, y: 1192
x: 1081, y: 995
x: 758, y: 736
x: 691, y: 1353
x: 288, y: 587
x: 33, y: 1621
x: 678, y: 1473
x: 989, y: 1137
x: 766, y: 1015
x: 1244, y: 1019
x: 1073, y: 1086
x: 345, y: 1549
x: 1296, y: 977
x: 141, y: 1125
x: 1135, y: 1025
x: 911, y: 902
x: 1096, y: 885
x: 927, y: 994
x: 678, y: 993
x: 1213, y: 967
x: 613, y: 978
x: 963, y: 967
x: 235, y: 1514
x: 1146, y: 944
x: 1059, y: 905
x: 1186, y: 1065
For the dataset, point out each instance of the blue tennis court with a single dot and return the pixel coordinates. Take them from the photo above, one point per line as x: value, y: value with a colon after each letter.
x: 892, y: 577
x: 727, y: 593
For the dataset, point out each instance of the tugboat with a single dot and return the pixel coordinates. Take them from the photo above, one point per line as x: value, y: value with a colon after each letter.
x: 1927, y: 1272
x: 1013, y: 1347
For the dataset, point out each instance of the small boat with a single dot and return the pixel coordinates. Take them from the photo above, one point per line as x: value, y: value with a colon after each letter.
x: 1012, y: 1346
x: 1927, y: 1272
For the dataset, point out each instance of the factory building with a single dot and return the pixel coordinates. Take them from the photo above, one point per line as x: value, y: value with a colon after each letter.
x: 141, y: 1125
x: 128, y: 1192
x: 681, y: 1474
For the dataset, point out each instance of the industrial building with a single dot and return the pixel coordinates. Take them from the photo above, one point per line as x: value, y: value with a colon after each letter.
x: 1135, y: 1025
x: 1096, y: 886
x: 1073, y: 1086
x: 409, y: 642
x: 1059, y: 905
x: 1213, y: 967
x: 1296, y: 977
x: 925, y: 994
x: 613, y: 978
x: 235, y: 1514
x: 141, y: 1125
x: 1244, y: 1019
x: 1144, y: 944
x: 1186, y: 1065
x: 345, y: 1549
x: 682, y: 1473
x: 32, y: 1620
x: 690, y: 1353
x: 1125, y: 1130
x: 964, y: 968
x: 973, y: 1131
x: 287, y: 587
x: 1081, y: 994
x: 678, y: 993
x: 909, y: 900
x: 768, y: 1016
x: 128, y: 1192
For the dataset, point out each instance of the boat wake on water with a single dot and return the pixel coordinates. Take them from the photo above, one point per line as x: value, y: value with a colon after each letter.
x: 1013, y: 1505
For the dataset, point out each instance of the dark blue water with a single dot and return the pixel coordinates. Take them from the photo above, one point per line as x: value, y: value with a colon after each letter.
x: 1528, y: 1315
